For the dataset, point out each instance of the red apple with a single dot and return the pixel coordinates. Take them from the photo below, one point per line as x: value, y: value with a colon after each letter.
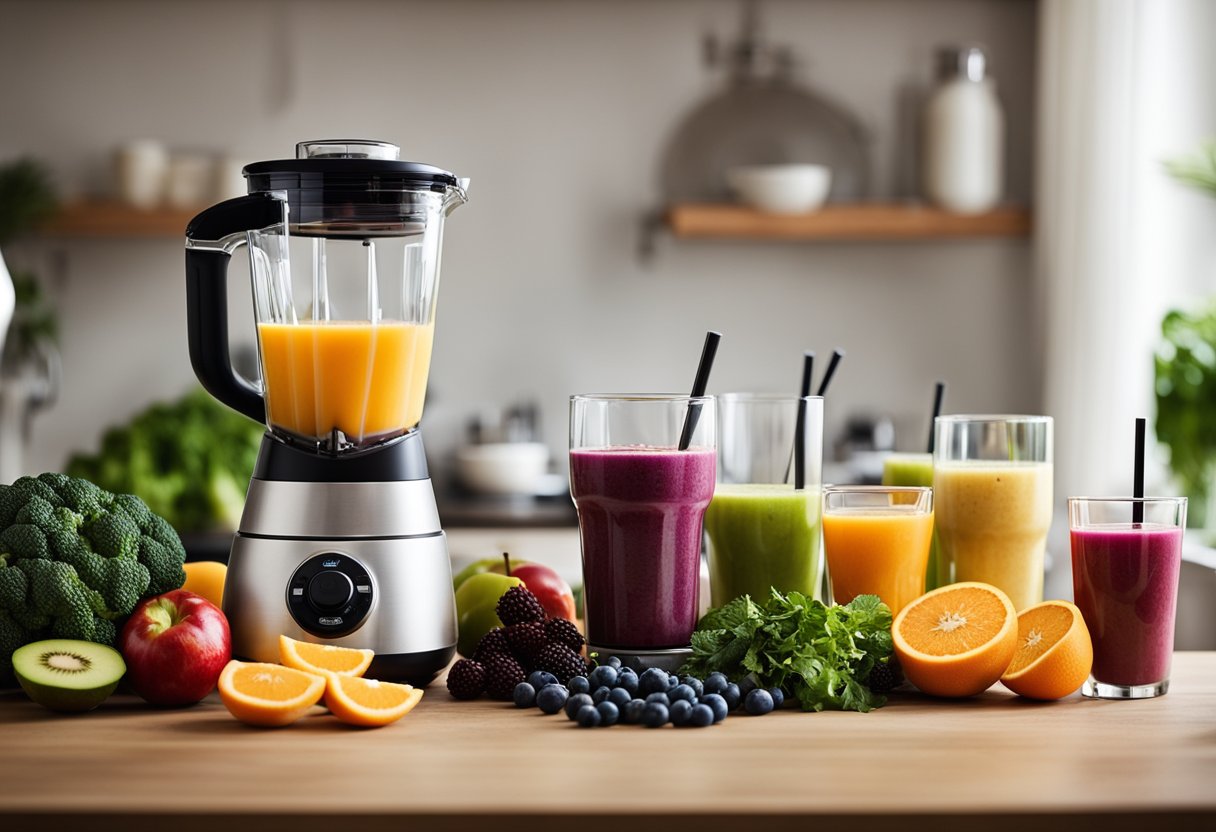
x: 175, y: 646
x: 549, y: 588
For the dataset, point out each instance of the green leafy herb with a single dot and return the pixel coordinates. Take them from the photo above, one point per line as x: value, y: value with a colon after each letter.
x: 821, y: 654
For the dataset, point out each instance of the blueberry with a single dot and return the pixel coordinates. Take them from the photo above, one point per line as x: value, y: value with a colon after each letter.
x: 758, y: 702
x: 654, y: 715
x: 603, y: 676
x: 575, y: 702
x: 652, y: 681
x: 614, y: 662
x: 609, y: 713
x: 746, y: 685
x: 716, y: 704
x: 732, y: 696
x: 778, y: 697
x: 551, y: 698
x: 683, y: 692
x: 631, y: 714
x: 698, y: 688
x: 662, y: 698
x: 672, y: 680
x: 579, y: 684
x: 680, y: 710
x: 539, y: 678
x: 701, y: 716
x: 619, y: 697
x: 588, y: 716
x: 600, y: 694
x: 524, y: 695
x: 716, y: 682
x: 628, y: 680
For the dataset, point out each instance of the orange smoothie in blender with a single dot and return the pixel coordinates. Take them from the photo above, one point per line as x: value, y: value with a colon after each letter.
x: 367, y: 380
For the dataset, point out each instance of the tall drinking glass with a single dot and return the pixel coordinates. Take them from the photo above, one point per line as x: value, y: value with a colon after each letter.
x: 1125, y: 581
x: 992, y: 483
x: 641, y: 500
x: 915, y: 470
x: 763, y: 533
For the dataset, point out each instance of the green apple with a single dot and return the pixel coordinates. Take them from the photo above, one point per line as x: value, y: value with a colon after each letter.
x: 495, y: 565
x: 476, y: 600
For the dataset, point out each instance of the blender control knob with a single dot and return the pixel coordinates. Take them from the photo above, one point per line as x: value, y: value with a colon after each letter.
x: 330, y: 590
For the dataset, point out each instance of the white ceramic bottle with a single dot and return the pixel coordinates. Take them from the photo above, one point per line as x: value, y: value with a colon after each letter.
x: 963, y: 149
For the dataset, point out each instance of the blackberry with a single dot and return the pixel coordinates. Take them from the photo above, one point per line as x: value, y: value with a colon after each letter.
x: 517, y: 606
x: 503, y: 673
x: 467, y: 679
x: 493, y: 643
x: 561, y: 661
x: 526, y: 641
x: 563, y: 631
x: 884, y: 677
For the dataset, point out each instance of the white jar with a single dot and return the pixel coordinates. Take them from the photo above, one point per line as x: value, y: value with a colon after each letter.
x: 963, y: 149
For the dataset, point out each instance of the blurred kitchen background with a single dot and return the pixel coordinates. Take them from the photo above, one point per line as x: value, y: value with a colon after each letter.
x: 566, y: 273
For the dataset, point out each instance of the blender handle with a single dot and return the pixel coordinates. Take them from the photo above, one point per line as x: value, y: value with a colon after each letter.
x: 212, y: 236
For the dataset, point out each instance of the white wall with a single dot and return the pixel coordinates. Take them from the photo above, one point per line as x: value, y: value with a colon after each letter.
x: 558, y: 111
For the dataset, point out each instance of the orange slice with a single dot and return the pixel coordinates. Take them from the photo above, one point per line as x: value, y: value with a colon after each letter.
x: 957, y: 640
x: 323, y: 658
x: 1054, y: 653
x: 367, y: 702
x: 268, y: 694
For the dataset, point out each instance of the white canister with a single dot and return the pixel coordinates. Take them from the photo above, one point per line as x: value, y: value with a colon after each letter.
x: 963, y: 152
x: 142, y: 166
x: 190, y: 180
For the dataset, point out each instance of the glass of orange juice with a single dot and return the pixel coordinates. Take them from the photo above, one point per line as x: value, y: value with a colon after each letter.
x: 876, y: 539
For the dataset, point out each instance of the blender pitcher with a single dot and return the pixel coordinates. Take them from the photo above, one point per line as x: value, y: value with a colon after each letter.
x: 340, y: 539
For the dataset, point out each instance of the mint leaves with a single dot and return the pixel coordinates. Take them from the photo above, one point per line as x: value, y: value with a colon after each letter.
x: 820, y: 654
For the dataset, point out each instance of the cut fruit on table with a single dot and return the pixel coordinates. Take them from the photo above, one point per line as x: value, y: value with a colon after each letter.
x: 206, y: 578
x: 324, y: 658
x: 66, y: 674
x: 269, y: 695
x: 957, y: 640
x: 1054, y: 653
x: 369, y: 703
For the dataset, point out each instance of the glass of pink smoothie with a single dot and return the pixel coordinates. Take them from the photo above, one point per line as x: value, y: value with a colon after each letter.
x: 1126, y: 553
x: 641, y: 500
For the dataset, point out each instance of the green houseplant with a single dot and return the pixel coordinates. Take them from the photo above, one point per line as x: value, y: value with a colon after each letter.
x: 1186, y: 374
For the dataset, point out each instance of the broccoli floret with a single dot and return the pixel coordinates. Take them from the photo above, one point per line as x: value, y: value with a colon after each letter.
x: 75, y: 560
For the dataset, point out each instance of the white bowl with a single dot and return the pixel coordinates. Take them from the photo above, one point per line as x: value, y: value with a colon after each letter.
x: 781, y: 189
x: 503, y: 467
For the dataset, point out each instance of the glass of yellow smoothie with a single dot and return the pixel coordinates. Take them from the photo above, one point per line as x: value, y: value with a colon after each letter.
x: 876, y: 539
x: 763, y: 532
x: 992, y: 482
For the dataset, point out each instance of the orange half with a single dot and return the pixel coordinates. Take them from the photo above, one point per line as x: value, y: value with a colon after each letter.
x: 1054, y: 653
x: 369, y: 703
x: 268, y: 694
x: 956, y: 640
x: 324, y: 658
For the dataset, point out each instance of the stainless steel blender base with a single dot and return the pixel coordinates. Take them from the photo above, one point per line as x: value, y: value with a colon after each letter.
x: 405, y: 609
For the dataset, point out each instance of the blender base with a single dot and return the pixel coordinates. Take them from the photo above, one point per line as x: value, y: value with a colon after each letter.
x: 669, y: 659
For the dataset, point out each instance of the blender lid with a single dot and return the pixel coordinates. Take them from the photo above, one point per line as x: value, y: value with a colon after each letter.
x: 347, y: 164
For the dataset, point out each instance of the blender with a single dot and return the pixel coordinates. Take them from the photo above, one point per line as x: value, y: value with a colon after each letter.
x: 340, y: 541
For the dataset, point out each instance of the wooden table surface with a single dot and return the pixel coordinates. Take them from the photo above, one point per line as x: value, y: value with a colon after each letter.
x: 995, y: 762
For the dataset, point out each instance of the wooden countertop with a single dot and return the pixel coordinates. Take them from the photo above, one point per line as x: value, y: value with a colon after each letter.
x: 995, y: 762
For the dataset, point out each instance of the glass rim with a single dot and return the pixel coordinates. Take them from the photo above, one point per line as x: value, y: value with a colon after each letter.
x: 774, y: 398
x: 1072, y: 500
x: 994, y: 419
x: 877, y: 489
x: 639, y: 397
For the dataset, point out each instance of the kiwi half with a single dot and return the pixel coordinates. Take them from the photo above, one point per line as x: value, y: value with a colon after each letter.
x: 68, y: 675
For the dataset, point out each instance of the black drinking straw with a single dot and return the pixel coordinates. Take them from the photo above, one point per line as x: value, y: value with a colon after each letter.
x: 808, y: 364
x: 698, y: 387
x: 938, y: 395
x: 1138, y: 476
x: 827, y: 377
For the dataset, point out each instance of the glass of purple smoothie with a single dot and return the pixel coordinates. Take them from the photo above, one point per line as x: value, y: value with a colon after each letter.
x: 1126, y: 553
x: 641, y: 494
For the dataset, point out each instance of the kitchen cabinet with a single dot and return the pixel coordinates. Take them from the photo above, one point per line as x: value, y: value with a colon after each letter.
x: 995, y: 763
x: 873, y: 222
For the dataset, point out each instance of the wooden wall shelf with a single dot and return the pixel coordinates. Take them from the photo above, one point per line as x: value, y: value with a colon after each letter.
x: 841, y: 221
x: 114, y: 219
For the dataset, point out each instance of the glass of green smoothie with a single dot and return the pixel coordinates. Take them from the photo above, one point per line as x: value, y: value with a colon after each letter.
x: 905, y: 469
x: 763, y: 532
x: 992, y: 484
